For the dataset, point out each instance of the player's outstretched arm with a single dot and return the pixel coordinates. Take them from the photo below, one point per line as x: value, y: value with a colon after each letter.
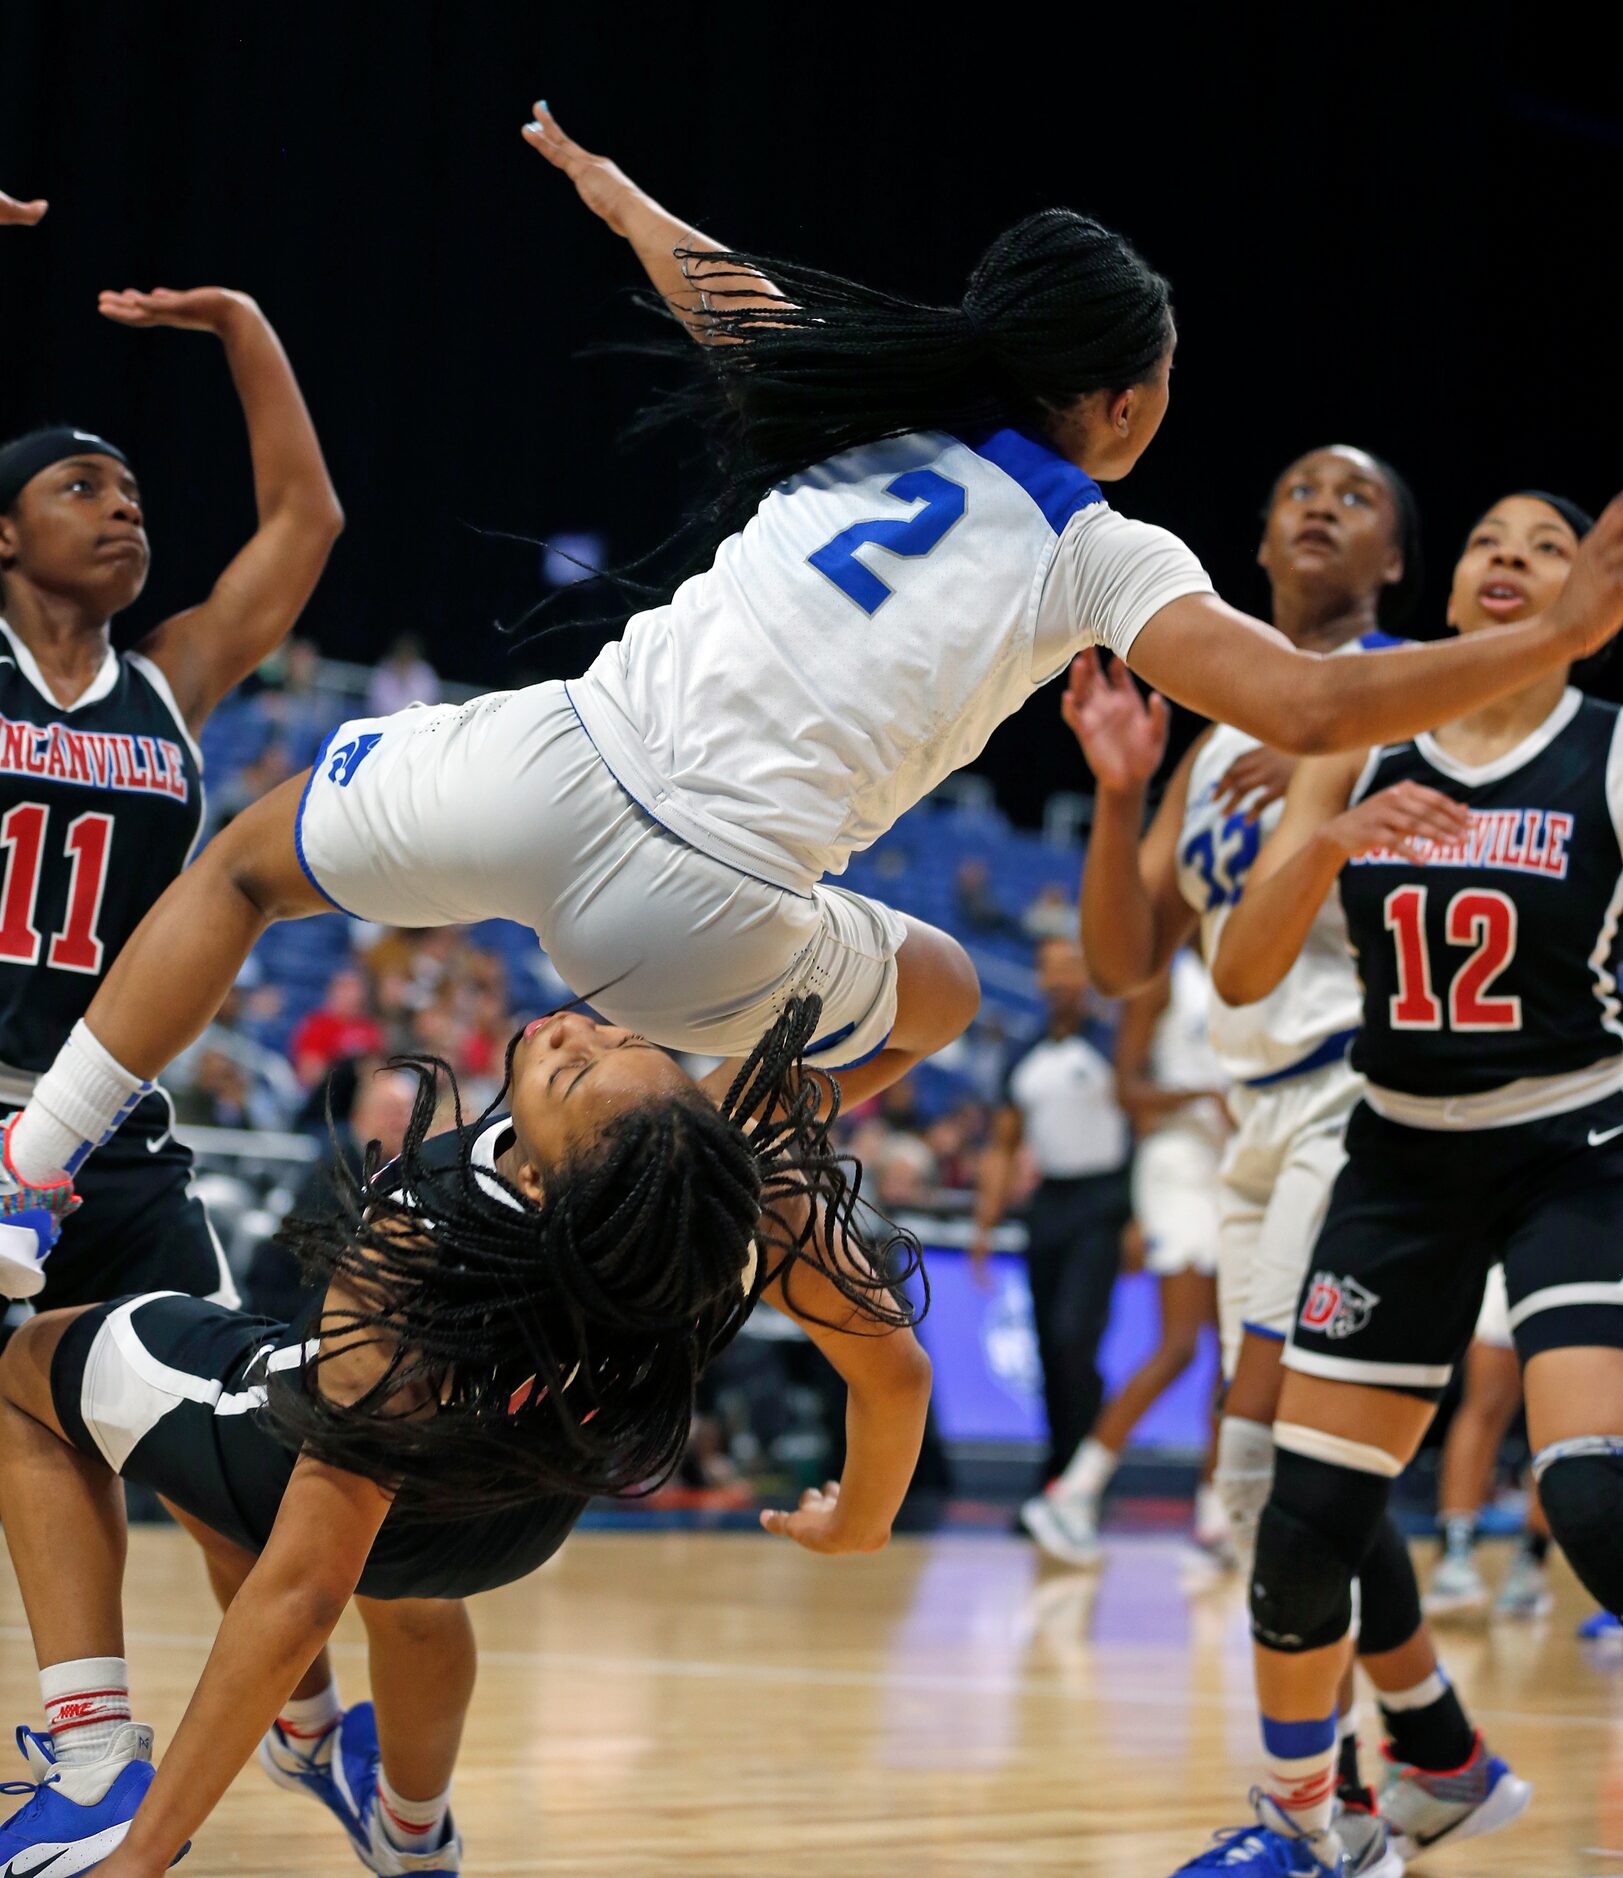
x: 659, y: 238
x: 1133, y: 916
x: 887, y: 1379
x: 1218, y: 662
x: 1262, y: 937
x: 277, y: 1623
x: 15, y: 214
x: 208, y: 649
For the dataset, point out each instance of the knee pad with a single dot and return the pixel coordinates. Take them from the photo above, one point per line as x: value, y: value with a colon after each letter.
x: 1580, y: 1485
x: 1244, y: 1476
x: 1316, y: 1529
x: 1389, y: 1608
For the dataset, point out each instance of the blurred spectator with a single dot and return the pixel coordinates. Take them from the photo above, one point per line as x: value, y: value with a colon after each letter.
x: 379, y: 1111
x: 1052, y: 915
x: 342, y: 1025
x: 903, y: 1173
x: 267, y: 1094
x: 978, y: 906
x: 295, y: 702
x: 954, y: 1141
x: 403, y: 676
x: 1060, y: 1100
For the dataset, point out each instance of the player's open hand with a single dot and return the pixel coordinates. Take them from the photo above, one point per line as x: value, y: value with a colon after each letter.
x: 193, y: 309
x: 1255, y: 779
x: 816, y: 1525
x: 1590, y: 606
x: 1123, y: 737
x: 603, y: 186
x: 1405, y: 819
x: 15, y: 214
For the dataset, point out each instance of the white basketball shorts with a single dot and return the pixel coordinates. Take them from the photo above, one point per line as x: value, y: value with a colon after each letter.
x: 1281, y: 1162
x: 1175, y: 1197
x: 501, y: 808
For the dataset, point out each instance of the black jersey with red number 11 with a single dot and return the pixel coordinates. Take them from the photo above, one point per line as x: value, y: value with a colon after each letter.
x: 1496, y: 958
x: 100, y: 806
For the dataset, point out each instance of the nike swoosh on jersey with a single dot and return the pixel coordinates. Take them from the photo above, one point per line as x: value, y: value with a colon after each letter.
x: 1597, y: 1138
x: 152, y: 1148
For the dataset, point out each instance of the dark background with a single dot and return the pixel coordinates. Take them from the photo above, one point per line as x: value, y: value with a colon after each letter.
x: 1398, y: 234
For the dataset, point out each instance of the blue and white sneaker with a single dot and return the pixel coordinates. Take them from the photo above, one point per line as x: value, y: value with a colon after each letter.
x: 1423, y: 1809
x: 1603, y: 1627
x: 355, y: 1770
x: 307, y: 1767
x: 1275, y: 1848
x: 78, y: 1813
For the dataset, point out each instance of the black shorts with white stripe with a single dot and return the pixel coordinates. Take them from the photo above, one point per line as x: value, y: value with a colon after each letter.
x: 170, y: 1392
x: 1419, y: 1216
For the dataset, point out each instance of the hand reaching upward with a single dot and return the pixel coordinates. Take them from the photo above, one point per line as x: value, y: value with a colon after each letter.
x: 15, y: 214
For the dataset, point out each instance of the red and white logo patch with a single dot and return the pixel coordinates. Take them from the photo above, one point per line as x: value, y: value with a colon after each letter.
x: 1337, y: 1307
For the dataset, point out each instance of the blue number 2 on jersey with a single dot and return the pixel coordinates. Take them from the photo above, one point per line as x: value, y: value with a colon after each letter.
x: 944, y: 503
x: 1223, y: 858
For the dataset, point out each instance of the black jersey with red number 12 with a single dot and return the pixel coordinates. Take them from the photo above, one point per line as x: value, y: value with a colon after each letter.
x: 1497, y: 958
x: 100, y: 806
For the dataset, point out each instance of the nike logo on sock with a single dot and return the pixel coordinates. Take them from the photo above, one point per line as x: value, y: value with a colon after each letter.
x: 1597, y: 1138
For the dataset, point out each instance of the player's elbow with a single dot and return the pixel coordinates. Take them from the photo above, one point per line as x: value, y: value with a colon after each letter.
x: 1237, y: 984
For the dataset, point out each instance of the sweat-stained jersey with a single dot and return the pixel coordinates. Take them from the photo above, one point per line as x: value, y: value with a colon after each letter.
x: 100, y: 806
x: 1490, y: 966
x: 861, y: 637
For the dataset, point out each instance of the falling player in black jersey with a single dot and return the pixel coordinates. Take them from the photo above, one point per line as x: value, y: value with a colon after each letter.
x: 504, y: 1333
x: 1481, y: 873
x: 101, y: 788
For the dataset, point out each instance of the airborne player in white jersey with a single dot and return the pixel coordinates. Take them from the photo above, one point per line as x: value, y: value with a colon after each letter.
x: 917, y: 541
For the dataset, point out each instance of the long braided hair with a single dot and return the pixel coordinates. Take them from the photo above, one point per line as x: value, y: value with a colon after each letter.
x: 554, y: 1347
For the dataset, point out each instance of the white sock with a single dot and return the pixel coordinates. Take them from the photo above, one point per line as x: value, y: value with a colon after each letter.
x: 309, y: 1722
x: 75, y: 1106
x: 1301, y: 1776
x: 86, y: 1702
x: 411, y: 1825
x: 1211, y: 1516
x: 1088, y: 1471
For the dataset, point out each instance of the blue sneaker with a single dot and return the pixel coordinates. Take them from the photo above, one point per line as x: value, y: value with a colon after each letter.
x: 307, y: 1767
x: 1603, y: 1627
x: 1274, y: 1848
x: 78, y: 1813
x: 355, y: 1770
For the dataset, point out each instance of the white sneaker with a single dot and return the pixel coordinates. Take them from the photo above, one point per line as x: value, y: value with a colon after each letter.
x: 1424, y: 1809
x: 1066, y: 1527
x: 1526, y: 1592
x: 1456, y: 1589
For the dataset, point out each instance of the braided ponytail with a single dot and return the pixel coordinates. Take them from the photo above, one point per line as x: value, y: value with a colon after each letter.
x: 555, y: 1348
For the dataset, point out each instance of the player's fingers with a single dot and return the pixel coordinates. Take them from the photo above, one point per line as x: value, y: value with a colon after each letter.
x: 774, y: 1521
x: 1160, y: 713
x: 831, y: 1489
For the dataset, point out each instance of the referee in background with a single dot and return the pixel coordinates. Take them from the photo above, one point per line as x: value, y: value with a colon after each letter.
x: 1059, y: 1098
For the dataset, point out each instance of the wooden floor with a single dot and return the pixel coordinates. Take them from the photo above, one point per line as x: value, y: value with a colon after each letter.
x: 729, y: 1706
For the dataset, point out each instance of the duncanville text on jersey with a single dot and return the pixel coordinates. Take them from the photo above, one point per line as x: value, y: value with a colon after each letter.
x: 100, y: 759
x: 1529, y: 841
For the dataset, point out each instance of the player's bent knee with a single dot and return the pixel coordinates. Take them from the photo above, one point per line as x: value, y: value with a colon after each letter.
x: 1318, y: 1526
x: 1580, y: 1486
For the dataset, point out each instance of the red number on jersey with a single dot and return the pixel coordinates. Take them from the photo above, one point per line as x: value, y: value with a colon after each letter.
x: 1487, y: 920
x: 1415, y: 1007
x: 77, y: 948
x: 1477, y: 916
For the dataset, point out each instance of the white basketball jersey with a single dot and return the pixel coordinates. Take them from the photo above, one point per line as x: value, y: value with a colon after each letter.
x: 1181, y: 1053
x: 861, y: 638
x: 1319, y: 996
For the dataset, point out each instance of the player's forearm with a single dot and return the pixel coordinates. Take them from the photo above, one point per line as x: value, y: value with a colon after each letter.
x: 655, y: 235
x: 1351, y: 703
x: 1118, y: 916
x: 267, y: 1640
x: 1263, y: 936
x: 884, y: 1431
x: 290, y: 473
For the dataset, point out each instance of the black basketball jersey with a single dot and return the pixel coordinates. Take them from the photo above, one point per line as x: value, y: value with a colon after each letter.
x: 100, y: 806
x: 1496, y: 959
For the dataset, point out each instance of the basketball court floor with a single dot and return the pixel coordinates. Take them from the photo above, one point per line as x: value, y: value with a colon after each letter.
x: 727, y: 1705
